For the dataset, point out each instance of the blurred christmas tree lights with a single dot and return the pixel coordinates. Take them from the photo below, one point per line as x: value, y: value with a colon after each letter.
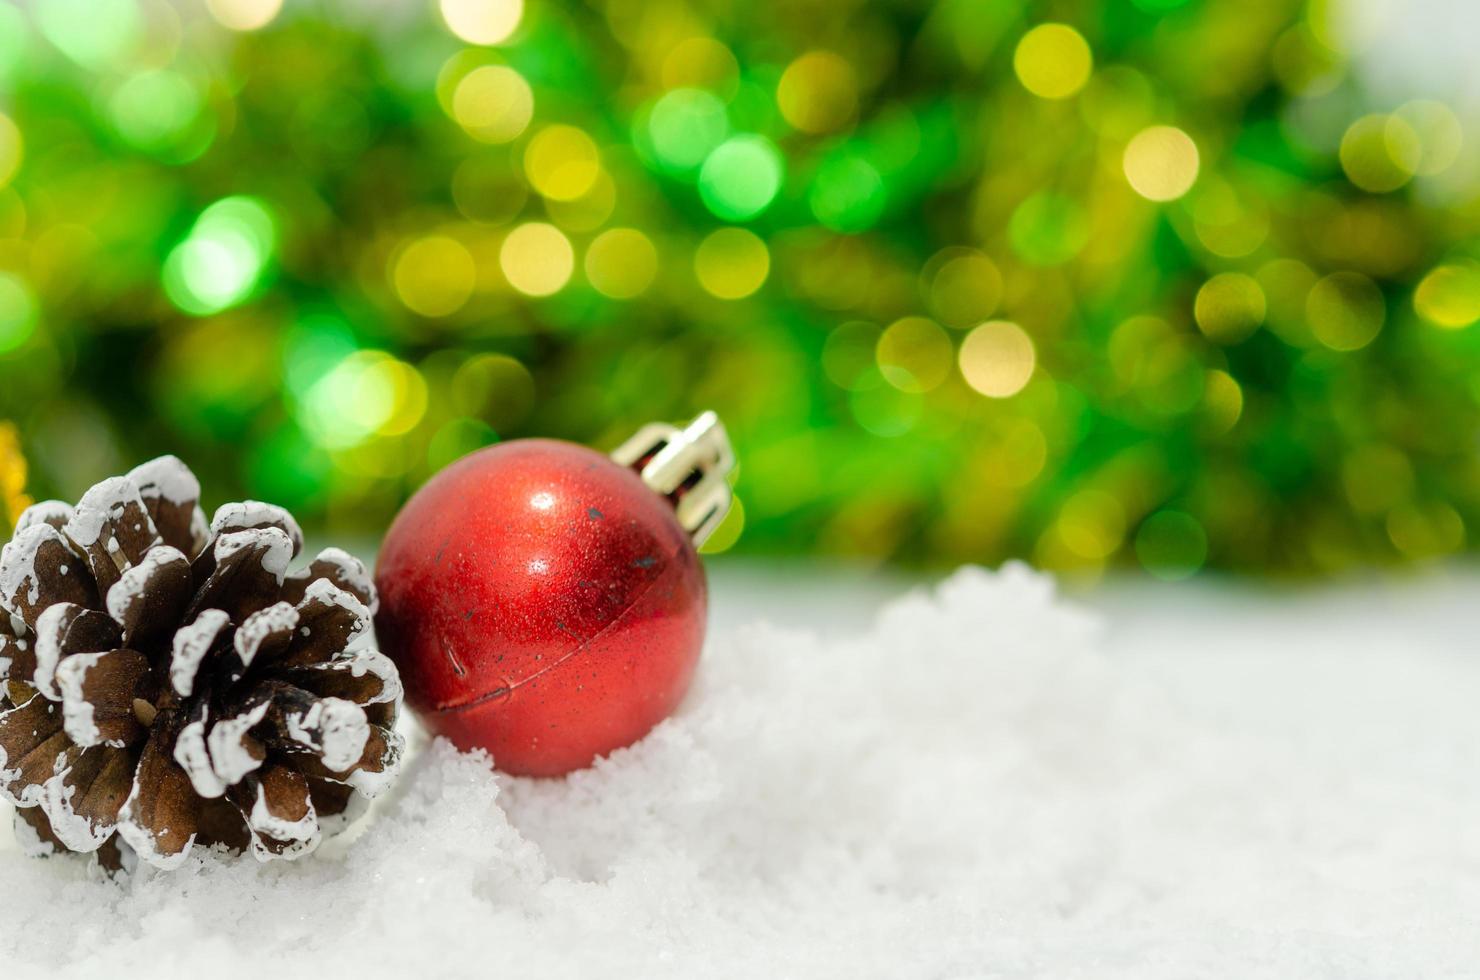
x: 1152, y: 283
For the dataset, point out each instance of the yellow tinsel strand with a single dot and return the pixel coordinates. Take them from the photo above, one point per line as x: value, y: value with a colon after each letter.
x: 13, y: 497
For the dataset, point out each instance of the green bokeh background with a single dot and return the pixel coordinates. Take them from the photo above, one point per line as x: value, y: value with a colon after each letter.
x: 322, y: 257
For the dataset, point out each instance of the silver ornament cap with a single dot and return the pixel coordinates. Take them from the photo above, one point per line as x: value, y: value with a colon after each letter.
x: 690, y: 466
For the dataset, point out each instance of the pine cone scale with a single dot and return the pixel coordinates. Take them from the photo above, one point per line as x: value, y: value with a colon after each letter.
x: 205, y: 637
x: 64, y: 631
x: 149, y: 597
x: 31, y: 738
x: 17, y: 651
x: 161, y: 815
x: 243, y: 573
x: 266, y: 634
x: 234, y: 750
x: 111, y: 529
x: 369, y: 679
x: 339, y: 568
x: 169, y: 682
x: 84, y: 796
x: 220, y: 823
x: 330, y: 619
x: 38, y: 570
x: 170, y: 498
x: 278, y: 807
x: 335, y: 730
x: 370, y: 775
x: 98, y: 693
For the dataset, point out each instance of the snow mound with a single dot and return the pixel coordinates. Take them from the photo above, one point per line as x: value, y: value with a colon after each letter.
x: 970, y: 789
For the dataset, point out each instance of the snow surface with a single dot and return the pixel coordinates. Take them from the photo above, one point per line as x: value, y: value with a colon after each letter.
x: 984, y: 783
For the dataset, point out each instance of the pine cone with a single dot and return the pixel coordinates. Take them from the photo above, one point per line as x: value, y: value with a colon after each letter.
x: 168, y: 682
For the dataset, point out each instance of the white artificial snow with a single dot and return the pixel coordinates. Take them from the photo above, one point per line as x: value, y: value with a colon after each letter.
x: 982, y: 785
x: 333, y: 824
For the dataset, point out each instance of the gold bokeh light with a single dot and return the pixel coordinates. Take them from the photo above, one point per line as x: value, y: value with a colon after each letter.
x: 818, y: 92
x: 1345, y: 310
x: 1440, y: 134
x: 244, y: 15
x: 1449, y: 296
x: 914, y: 354
x: 621, y: 263
x: 562, y: 162
x: 1380, y: 153
x: 493, y: 103
x: 732, y: 263
x: 1229, y: 307
x: 701, y: 62
x: 997, y: 358
x: 1053, y: 61
x: 1223, y: 402
x: 10, y: 149
x: 434, y: 276
x: 1161, y: 163
x: 965, y: 287
x: 485, y: 22
x: 537, y: 259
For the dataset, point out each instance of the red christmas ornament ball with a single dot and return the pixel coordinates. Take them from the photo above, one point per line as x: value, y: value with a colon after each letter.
x: 541, y: 602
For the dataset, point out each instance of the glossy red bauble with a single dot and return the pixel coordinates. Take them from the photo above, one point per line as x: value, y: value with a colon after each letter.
x: 541, y: 602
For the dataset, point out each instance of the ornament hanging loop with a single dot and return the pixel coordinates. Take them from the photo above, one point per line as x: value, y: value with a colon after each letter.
x: 689, y: 466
